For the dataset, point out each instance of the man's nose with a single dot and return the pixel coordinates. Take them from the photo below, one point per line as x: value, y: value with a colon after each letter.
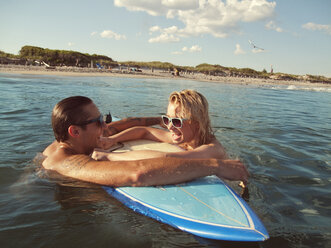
x: 104, y: 126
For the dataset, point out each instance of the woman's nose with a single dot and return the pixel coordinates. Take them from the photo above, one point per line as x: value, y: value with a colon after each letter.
x: 170, y: 126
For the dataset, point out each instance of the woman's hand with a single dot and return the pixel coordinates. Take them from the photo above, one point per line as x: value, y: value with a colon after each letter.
x: 106, y: 142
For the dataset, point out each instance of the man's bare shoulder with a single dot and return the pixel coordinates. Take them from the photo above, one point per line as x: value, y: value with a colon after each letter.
x: 74, y: 162
x: 51, y: 149
x: 49, y: 154
x: 68, y: 164
x: 56, y: 157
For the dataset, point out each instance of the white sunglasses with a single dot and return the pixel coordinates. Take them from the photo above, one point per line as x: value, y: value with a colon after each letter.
x: 176, y: 122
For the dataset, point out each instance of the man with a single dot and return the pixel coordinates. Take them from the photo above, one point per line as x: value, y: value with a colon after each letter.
x: 78, y: 125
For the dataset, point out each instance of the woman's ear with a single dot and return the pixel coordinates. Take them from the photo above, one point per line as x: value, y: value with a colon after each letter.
x: 197, y: 124
x: 73, y: 131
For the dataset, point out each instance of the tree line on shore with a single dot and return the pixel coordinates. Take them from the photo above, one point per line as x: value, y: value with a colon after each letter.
x: 32, y: 55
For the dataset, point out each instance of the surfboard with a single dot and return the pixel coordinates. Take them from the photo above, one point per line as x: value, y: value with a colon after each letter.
x: 207, y: 207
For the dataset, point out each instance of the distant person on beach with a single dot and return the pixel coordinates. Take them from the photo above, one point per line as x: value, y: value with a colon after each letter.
x: 78, y: 126
x: 188, y: 125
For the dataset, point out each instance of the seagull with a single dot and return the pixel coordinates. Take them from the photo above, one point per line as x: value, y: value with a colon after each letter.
x: 250, y: 42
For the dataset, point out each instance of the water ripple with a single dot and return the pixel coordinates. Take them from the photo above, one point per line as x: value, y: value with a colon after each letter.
x: 282, y: 134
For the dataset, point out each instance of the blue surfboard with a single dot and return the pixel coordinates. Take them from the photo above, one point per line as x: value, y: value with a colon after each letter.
x: 206, y: 207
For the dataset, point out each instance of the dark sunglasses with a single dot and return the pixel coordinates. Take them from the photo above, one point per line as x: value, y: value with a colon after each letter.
x: 99, y: 120
x: 176, y: 122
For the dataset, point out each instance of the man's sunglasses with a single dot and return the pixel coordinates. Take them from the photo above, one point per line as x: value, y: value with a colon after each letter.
x: 99, y: 120
x: 176, y: 122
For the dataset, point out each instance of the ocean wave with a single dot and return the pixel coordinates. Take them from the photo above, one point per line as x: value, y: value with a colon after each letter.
x: 305, y: 88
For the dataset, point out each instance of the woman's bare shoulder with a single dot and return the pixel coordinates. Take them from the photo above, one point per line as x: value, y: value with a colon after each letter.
x: 215, y: 149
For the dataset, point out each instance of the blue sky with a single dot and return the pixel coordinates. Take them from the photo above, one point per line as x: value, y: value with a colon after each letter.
x: 295, y: 35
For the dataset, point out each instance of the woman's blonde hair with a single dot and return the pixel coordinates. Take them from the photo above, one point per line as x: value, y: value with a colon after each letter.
x: 194, y: 106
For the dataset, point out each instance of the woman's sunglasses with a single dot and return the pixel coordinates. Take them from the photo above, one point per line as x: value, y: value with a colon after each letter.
x: 176, y: 122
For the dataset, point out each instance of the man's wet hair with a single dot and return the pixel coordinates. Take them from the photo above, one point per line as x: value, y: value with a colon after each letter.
x: 67, y: 112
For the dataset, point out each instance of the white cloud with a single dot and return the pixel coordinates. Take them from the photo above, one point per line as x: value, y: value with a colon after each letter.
x: 214, y: 17
x: 195, y: 48
x: 164, y: 38
x: 112, y: 35
x: 152, y: 7
x: 180, y: 4
x: 171, y: 30
x: 155, y: 29
x: 167, y: 34
x: 177, y: 52
x: 192, y: 49
x: 238, y: 50
x: 94, y: 33
x: 272, y: 26
x: 157, y: 7
x: 71, y: 44
x: 318, y: 27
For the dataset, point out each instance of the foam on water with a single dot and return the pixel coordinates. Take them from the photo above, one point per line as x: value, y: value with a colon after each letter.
x: 303, y: 88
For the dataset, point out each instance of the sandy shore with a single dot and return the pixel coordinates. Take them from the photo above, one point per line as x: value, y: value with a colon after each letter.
x: 93, y: 72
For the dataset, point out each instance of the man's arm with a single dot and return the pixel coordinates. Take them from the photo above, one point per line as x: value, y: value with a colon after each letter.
x: 156, y: 171
x: 118, y: 126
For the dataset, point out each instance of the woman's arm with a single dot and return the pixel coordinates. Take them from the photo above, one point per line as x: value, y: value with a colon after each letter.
x: 127, y: 156
x: 118, y: 126
x: 213, y: 150
x: 136, y: 133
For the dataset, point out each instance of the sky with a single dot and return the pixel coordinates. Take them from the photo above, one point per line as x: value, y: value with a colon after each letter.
x: 290, y: 36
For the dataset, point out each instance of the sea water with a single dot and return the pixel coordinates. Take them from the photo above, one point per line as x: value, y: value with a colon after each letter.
x: 282, y: 133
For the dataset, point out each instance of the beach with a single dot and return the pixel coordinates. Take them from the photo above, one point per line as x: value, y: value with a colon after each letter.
x: 147, y: 73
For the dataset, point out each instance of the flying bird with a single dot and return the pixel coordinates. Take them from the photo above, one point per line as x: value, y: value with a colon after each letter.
x: 250, y: 42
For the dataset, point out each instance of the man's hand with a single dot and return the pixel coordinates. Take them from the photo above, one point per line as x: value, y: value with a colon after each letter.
x: 233, y: 170
x: 99, y: 155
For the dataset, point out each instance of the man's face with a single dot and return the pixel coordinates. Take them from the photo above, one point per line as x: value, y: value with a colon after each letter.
x: 90, y: 135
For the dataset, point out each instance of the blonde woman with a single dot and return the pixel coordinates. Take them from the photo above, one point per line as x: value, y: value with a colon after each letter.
x: 189, y: 127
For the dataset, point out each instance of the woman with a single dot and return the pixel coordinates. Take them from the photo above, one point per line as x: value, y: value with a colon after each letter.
x: 188, y: 125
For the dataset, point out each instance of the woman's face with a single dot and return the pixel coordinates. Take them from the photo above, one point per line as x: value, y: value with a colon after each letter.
x: 184, y: 134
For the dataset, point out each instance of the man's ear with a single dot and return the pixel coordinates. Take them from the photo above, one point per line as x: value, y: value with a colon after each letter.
x: 73, y: 131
